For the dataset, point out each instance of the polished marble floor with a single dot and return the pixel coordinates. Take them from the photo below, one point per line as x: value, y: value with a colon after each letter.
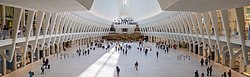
x: 100, y: 63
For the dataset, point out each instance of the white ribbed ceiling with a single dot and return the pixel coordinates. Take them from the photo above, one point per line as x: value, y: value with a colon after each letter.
x: 102, y: 11
x: 201, y: 5
x: 144, y: 11
x: 46, y: 5
x: 139, y: 9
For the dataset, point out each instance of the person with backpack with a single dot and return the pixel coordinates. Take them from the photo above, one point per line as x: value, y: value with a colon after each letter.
x: 31, y: 74
x: 196, y: 74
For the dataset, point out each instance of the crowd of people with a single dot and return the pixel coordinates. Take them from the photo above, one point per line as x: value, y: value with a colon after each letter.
x: 80, y: 51
x: 141, y: 48
x: 45, y: 65
x: 121, y: 47
x: 210, y: 69
x: 203, y: 62
x: 225, y: 74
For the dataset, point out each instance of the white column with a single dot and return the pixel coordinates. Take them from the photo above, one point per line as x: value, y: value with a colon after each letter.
x: 3, y: 16
x: 65, y: 29
x: 214, y: 17
x: 58, y: 23
x: 45, y: 27
x: 169, y: 31
x: 226, y: 27
x: 207, y: 26
x: 68, y: 30
x: 196, y: 33
x: 241, y: 26
x: 173, y: 30
x: 190, y: 27
x: 58, y: 35
x: 72, y: 29
x: 177, y: 38
x: 181, y: 27
x: 185, y: 27
x: 16, y: 22
x: 15, y: 61
x: 62, y: 28
x: 50, y: 32
x: 200, y: 26
x: 32, y: 57
x: 29, y: 26
x: 39, y: 21
x: 23, y: 24
x: 77, y: 26
x: 4, y: 65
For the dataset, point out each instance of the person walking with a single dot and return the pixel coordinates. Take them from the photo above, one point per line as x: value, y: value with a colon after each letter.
x: 202, y: 75
x: 44, y: 61
x: 117, y: 70
x: 83, y: 52
x: 123, y: 51
x: 202, y: 61
x: 64, y: 55
x: 209, y: 58
x: 210, y: 70
x: 88, y: 52
x: 157, y: 54
x: 126, y: 52
x: 196, y: 74
x: 146, y: 52
x: 167, y: 49
x: 225, y: 74
x: 31, y: 74
x: 212, y: 31
x: 47, y: 63
x: 42, y: 69
x: 229, y: 73
x: 136, y: 65
x: 206, y: 61
x: 79, y: 53
x: 140, y: 49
